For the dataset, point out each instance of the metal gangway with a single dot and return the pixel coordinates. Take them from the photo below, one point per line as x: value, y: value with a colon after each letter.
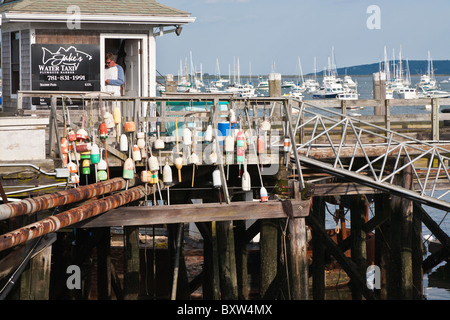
x: 361, y: 151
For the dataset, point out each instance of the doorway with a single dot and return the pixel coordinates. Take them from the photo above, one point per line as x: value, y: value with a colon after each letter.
x: 130, y: 51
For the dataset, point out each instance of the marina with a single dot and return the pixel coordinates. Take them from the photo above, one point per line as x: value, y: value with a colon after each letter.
x: 224, y: 187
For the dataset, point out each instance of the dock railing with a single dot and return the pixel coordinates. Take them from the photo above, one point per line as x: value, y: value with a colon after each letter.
x: 196, y: 111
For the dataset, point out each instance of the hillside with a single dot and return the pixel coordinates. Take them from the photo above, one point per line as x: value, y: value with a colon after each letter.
x: 415, y: 67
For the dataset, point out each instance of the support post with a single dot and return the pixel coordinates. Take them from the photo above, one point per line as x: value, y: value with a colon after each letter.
x: 358, y: 250
x: 227, y: 260
x: 131, y: 263
x: 104, y: 263
x: 319, y: 249
x: 298, y: 259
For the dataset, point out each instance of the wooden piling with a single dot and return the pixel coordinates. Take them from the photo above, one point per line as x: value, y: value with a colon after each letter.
x: 227, y: 260
x: 358, y: 207
x: 131, y: 263
x: 318, y: 247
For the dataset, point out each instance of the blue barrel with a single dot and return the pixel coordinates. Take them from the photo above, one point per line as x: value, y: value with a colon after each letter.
x: 224, y: 129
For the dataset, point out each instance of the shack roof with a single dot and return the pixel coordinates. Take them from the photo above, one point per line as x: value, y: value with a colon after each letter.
x: 138, y: 11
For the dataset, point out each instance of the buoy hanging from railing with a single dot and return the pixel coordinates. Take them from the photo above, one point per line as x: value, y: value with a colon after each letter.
x: 167, y: 174
x: 178, y: 158
x: 240, y: 144
x: 101, y: 169
x: 129, y: 126
x: 187, y: 136
x: 117, y: 120
x: 145, y: 176
x: 108, y: 119
x: 263, y: 194
x: 208, y: 133
x: 64, y: 145
x: 246, y: 180
x: 72, y: 167
x: 167, y: 179
x: 217, y: 182
x: 232, y: 116
x: 159, y: 143
x: 71, y: 135
x: 75, y: 179
x: 123, y: 146
x: 141, y: 140
x: 128, y: 169
x: 81, y: 133
x: 136, y: 153
x: 154, y: 177
x: 287, y: 144
x: 260, y: 145
x: 153, y: 163
x: 265, y: 124
x: 86, y: 167
x: 103, y: 131
x: 95, y: 153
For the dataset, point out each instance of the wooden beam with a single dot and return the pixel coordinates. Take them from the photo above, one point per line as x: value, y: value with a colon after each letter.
x: 185, y: 213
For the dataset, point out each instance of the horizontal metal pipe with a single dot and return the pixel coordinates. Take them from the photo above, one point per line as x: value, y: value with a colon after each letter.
x: 72, y: 216
x: 32, y: 205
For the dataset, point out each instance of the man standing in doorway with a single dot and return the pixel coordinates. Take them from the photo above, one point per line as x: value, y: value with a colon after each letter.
x: 114, y: 75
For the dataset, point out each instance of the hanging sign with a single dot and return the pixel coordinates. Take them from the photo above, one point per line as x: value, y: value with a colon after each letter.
x: 65, y: 67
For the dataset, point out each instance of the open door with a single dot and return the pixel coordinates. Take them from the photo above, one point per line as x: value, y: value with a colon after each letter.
x: 133, y: 68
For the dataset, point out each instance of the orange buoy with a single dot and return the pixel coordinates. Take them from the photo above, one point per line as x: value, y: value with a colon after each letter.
x: 64, y: 146
x: 130, y: 126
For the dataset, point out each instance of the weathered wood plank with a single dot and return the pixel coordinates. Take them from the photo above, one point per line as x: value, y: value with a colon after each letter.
x: 135, y: 216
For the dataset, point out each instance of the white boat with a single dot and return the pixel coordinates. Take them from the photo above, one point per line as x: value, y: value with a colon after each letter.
x: 349, y: 95
x: 295, y: 93
x: 288, y: 84
x: 242, y: 90
x: 427, y: 81
x: 407, y: 93
x: 330, y: 90
x: 263, y: 84
x: 349, y: 83
x: 433, y: 94
x: 311, y: 85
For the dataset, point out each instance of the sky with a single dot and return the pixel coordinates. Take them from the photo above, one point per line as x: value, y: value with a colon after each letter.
x: 272, y: 36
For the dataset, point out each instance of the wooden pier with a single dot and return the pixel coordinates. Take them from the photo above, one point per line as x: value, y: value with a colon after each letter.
x: 294, y: 246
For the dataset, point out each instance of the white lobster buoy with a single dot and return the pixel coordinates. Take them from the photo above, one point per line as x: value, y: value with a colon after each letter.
x: 145, y: 176
x: 159, y: 144
x: 265, y: 125
x: 167, y: 175
x: 101, y: 170
x: 136, y: 153
x: 287, y: 144
x: 264, y: 195
x: 81, y: 134
x: 187, y: 136
x: 179, y: 165
x: 195, y: 158
x: 246, y: 181
x: 117, y: 117
x: 217, y: 182
x: 153, y: 163
x: 72, y: 167
x: 229, y: 144
x: 109, y: 120
x: 208, y: 133
x: 123, y: 146
x: 95, y: 154
x: 128, y: 169
x: 232, y: 116
x: 141, y: 140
